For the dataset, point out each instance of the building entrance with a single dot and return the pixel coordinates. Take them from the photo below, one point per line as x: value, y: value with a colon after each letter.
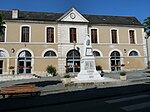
x: 73, y: 61
x: 115, y: 61
x: 24, y: 62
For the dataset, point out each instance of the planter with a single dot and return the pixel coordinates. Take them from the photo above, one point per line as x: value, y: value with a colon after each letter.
x: 66, y: 80
x: 123, y: 78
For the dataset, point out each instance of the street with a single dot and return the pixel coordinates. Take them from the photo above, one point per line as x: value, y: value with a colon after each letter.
x: 128, y: 103
x: 132, y: 102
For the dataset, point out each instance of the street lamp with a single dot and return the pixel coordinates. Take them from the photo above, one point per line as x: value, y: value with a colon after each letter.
x: 148, y: 62
x: 74, y: 44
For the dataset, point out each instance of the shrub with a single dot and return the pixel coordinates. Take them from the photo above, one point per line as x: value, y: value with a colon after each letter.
x: 123, y: 73
x: 99, y: 68
x: 66, y: 76
x: 51, y: 70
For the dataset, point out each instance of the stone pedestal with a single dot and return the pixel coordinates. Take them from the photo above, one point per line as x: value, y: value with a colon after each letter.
x: 88, y: 67
x: 88, y: 70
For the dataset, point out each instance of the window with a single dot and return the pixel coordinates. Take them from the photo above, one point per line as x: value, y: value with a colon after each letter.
x: 72, y: 35
x: 2, y: 53
x: 24, y: 54
x: 49, y: 53
x: 132, y: 36
x: 94, y: 35
x: 24, y: 62
x: 50, y: 35
x: 95, y: 53
x: 114, y: 36
x: 2, y: 37
x: 73, y: 61
x: 133, y: 53
x: 25, y: 34
x: 115, y: 61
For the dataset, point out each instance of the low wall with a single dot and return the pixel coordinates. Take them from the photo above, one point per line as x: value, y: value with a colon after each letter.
x: 16, y: 77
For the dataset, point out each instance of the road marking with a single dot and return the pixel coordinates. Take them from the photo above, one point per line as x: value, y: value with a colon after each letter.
x: 136, y: 106
x: 127, y: 99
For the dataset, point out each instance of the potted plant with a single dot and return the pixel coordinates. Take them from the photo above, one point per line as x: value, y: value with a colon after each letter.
x: 123, y: 75
x: 51, y: 70
x: 66, y: 79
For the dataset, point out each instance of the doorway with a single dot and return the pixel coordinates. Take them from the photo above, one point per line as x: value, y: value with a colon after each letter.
x: 73, y: 61
x: 115, y: 61
x: 24, y: 62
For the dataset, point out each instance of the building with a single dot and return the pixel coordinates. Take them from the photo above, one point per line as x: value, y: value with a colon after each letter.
x: 34, y: 40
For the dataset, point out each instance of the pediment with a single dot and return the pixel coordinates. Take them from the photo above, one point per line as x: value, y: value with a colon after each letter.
x: 72, y: 16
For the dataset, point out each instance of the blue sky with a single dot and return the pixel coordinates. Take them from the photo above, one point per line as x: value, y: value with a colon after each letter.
x: 137, y: 8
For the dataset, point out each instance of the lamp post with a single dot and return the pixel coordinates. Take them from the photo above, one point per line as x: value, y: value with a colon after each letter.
x: 74, y: 44
x: 148, y: 62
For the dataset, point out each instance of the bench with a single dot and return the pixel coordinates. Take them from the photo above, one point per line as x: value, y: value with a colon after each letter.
x: 19, y: 89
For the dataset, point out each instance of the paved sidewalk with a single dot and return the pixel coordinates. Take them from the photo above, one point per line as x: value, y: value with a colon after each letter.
x: 50, y: 85
x: 131, y: 75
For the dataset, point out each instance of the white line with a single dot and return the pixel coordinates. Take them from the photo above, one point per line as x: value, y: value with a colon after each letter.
x: 127, y: 98
x: 136, y: 106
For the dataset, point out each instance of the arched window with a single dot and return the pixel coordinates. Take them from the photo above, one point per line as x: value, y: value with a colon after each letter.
x: 24, y: 62
x: 49, y: 53
x: 73, y: 53
x: 133, y: 53
x: 115, y: 54
x: 73, y: 58
x: 2, y: 53
x: 24, y: 54
x: 95, y: 53
x: 115, y: 61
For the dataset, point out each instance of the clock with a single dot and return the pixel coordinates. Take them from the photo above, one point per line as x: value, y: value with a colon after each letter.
x: 72, y: 15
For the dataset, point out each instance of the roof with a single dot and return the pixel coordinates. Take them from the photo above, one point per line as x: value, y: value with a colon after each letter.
x: 93, y: 19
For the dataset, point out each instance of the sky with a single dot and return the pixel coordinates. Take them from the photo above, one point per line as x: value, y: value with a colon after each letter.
x: 138, y: 8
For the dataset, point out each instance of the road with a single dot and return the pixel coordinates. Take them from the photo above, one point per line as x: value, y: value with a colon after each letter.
x: 139, y: 102
x: 132, y: 102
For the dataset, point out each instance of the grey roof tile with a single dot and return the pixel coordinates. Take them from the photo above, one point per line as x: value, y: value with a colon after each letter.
x: 93, y: 19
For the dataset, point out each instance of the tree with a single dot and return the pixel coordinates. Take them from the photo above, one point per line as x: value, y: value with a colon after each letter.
x: 147, y: 26
x: 2, y: 27
x: 147, y: 31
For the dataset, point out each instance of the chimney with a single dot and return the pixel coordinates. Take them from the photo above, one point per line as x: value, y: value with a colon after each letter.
x: 15, y: 14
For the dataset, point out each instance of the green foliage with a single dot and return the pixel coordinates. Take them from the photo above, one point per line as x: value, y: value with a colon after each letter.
x: 123, y: 73
x: 147, y: 26
x: 99, y: 68
x: 51, y: 70
x: 66, y: 76
x: 2, y: 27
